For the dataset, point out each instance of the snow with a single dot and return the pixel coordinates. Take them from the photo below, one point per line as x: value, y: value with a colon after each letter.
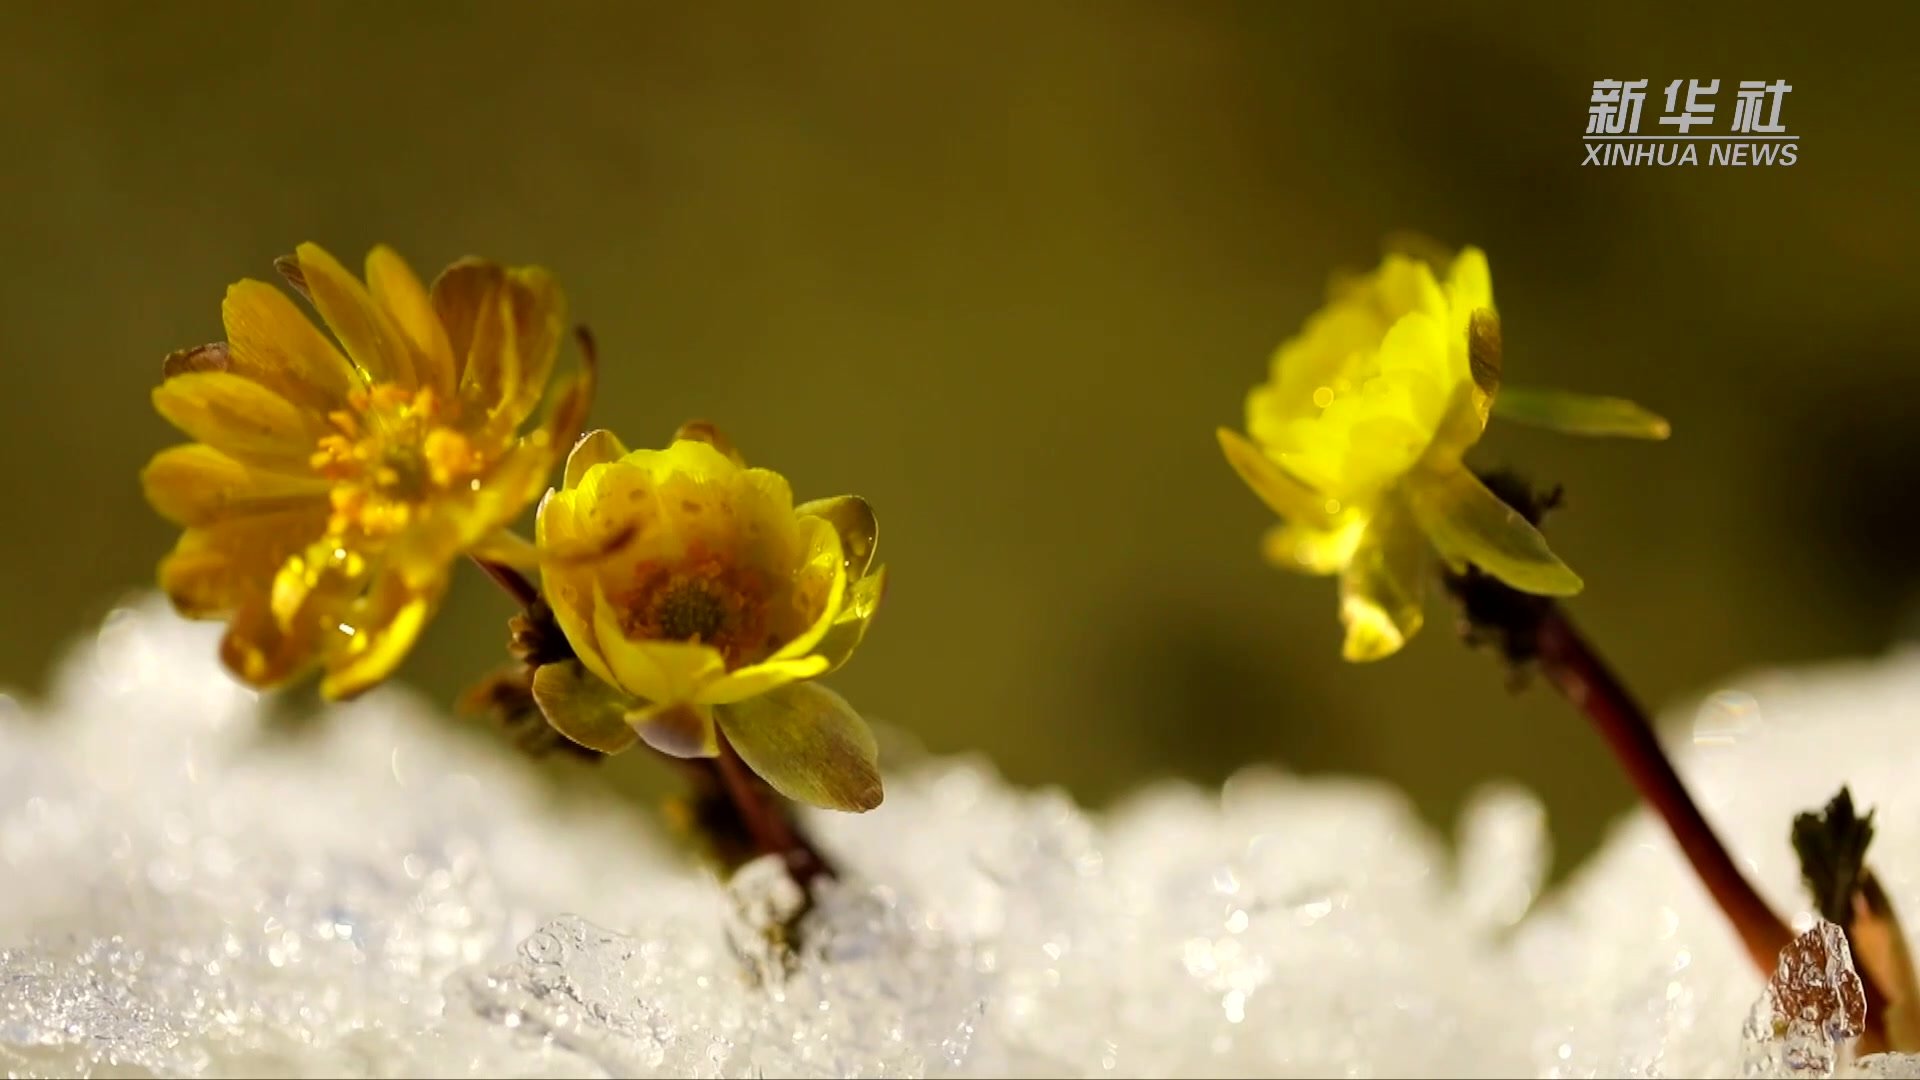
x: 186, y: 890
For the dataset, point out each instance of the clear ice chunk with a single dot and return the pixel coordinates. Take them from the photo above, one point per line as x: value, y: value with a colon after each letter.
x: 1811, y: 1010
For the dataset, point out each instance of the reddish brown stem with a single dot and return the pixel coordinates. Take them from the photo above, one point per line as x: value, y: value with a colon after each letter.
x: 1584, y: 679
x: 766, y: 820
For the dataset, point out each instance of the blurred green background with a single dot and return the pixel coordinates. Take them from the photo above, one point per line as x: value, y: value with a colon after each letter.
x: 1002, y: 268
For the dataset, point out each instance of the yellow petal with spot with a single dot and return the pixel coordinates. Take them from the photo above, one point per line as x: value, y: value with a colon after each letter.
x: 238, y: 416
x: 1284, y: 495
x: 1580, y: 414
x: 594, y: 448
x: 662, y: 672
x: 807, y: 742
x: 584, y: 708
x: 271, y: 342
x: 576, y: 619
x: 198, y: 485
x: 393, y: 286
x: 1469, y: 524
x: 371, y: 339
x: 1383, y: 585
x: 561, y: 532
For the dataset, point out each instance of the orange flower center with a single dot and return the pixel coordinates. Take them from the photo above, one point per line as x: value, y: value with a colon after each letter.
x: 706, y: 600
x: 391, y: 451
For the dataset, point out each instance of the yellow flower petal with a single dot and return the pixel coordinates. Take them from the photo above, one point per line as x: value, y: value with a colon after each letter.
x: 393, y: 286
x: 241, y: 417
x: 1382, y: 588
x: 272, y: 343
x: 852, y: 517
x: 809, y: 744
x: 820, y: 585
x: 1580, y: 414
x: 677, y: 729
x: 1469, y: 282
x: 1469, y: 524
x: 457, y: 524
x: 696, y: 460
x: 459, y: 295
x: 259, y: 652
x: 1286, y: 496
x: 493, y: 362
x: 575, y: 615
x: 540, y: 321
x: 1461, y: 425
x: 1293, y: 546
x: 594, y: 448
x: 371, y: 339
x: 756, y: 679
x: 662, y: 672
x: 504, y: 327
x: 384, y: 629
x: 560, y: 529
x: 584, y: 708
x: 215, y: 569
x: 847, y: 631
x: 568, y: 414
x: 1400, y: 287
x: 198, y: 485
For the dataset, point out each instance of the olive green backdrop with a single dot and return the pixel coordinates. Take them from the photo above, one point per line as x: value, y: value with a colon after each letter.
x: 1002, y: 269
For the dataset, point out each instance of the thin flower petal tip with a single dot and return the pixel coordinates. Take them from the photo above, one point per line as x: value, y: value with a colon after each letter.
x: 703, y: 602
x: 336, y: 473
x: 1358, y: 436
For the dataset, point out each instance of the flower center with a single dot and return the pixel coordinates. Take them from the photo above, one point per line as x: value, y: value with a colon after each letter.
x: 391, y: 450
x: 705, y: 600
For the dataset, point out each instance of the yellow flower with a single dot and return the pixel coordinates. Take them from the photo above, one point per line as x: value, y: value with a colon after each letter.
x: 330, y: 488
x: 699, y: 601
x: 1356, y: 439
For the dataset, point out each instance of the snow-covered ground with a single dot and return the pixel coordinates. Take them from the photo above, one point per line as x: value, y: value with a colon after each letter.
x: 184, y: 893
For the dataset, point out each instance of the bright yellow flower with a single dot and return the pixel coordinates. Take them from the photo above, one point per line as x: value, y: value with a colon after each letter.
x: 700, y: 601
x: 1356, y: 439
x: 330, y: 488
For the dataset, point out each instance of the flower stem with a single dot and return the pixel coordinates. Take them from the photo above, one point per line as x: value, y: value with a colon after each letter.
x: 765, y: 818
x: 1584, y: 679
